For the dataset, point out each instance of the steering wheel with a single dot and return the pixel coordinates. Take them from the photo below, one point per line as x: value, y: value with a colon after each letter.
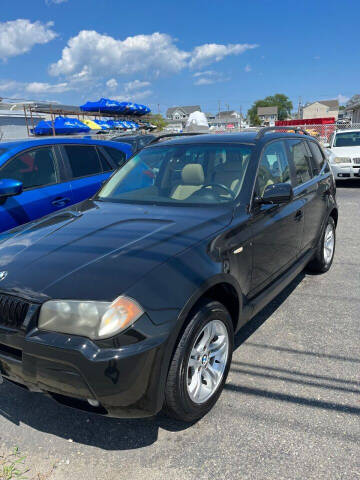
x: 219, y: 185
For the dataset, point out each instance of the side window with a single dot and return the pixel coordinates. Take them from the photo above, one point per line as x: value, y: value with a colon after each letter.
x: 274, y: 167
x: 105, y: 165
x: 34, y: 168
x: 84, y: 160
x: 300, y: 155
x: 317, y: 157
x: 118, y: 156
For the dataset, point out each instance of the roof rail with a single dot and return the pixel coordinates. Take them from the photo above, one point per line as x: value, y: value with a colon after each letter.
x: 265, y: 130
x: 170, y: 135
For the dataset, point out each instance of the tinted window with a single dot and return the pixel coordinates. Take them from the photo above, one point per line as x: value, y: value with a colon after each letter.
x: 117, y: 156
x: 300, y: 155
x: 33, y: 168
x: 83, y: 160
x: 274, y: 166
x: 105, y: 165
x: 317, y: 157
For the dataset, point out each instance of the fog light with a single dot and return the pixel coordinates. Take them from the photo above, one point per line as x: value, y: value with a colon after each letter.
x: 93, y: 403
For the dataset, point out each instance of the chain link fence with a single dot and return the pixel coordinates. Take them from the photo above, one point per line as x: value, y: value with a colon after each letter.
x: 321, y: 132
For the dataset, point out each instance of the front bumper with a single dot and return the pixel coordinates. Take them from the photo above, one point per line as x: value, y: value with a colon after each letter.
x: 125, y: 380
x: 343, y: 171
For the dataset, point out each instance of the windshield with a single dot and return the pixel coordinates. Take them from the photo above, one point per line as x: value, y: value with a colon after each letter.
x: 347, y: 139
x: 181, y: 174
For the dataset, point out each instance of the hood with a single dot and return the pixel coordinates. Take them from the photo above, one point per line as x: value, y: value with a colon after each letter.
x: 97, y: 250
x: 346, y: 151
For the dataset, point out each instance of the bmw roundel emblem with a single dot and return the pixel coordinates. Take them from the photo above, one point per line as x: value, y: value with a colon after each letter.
x: 3, y: 275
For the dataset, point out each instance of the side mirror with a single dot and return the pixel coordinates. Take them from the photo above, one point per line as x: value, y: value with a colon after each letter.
x: 277, y: 193
x: 326, y: 144
x: 10, y: 188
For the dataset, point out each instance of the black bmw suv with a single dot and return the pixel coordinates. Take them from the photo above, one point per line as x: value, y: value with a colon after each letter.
x: 128, y: 303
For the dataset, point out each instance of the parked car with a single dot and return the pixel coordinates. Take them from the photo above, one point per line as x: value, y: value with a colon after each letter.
x: 137, y: 142
x: 128, y: 302
x: 344, y: 154
x: 38, y: 177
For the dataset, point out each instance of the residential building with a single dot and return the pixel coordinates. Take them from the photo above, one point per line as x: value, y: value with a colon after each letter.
x: 177, y: 116
x: 320, y: 109
x: 228, y: 119
x: 352, y: 109
x: 267, y: 115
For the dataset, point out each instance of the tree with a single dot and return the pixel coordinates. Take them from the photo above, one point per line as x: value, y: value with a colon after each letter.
x: 157, y: 120
x: 278, y: 100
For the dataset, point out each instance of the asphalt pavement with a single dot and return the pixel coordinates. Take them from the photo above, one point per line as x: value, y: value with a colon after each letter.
x: 290, y: 408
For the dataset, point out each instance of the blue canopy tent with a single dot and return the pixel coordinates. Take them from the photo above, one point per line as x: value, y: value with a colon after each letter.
x: 103, y: 105
x: 103, y: 124
x: 62, y: 126
x: 106, y: 105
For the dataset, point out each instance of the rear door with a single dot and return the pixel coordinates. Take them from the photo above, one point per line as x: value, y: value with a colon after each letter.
x: 40, y: 172
x: 311, y: 187
x: 277, y: 229
x: 87, y: 168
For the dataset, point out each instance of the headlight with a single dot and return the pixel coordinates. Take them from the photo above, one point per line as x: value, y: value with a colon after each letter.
x: 342, y: 160
x: 90, y: 319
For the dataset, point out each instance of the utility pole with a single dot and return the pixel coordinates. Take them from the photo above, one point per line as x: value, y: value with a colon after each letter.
x: 158, y: 105
x: 240, y: 116
x: 299, y: 108
x: 219, y: 103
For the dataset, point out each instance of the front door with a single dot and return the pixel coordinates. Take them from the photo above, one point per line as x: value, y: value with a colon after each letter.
x: 38, y: 171
x: 277, y: 229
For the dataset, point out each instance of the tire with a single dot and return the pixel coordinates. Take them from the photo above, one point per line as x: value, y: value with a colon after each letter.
x: 323, y: 260
x: 187, y: 385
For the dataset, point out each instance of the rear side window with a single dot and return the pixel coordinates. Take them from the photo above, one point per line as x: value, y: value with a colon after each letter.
x: 34, y: 168
x: 300, y: 156
x: 317, y: 157
x: 118, y: 156
x: 84, y: 160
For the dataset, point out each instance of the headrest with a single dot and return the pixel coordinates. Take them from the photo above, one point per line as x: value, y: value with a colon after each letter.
x: 193, y: 174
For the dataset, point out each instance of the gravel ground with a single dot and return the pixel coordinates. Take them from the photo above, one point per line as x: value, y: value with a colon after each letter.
x: 290, y: 409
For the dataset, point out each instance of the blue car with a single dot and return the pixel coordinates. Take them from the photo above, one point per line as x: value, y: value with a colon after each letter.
x: 38, y: 177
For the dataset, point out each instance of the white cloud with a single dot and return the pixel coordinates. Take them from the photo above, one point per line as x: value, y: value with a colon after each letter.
x: 133, y: 97
x: 135, y: 85
x: 248, y: 68
x: 19, y: 36
x: 40, y: 87
x: 342, y: 98
x: 49, y: 2
x: 209, y: 77
x: 213, y: 52
x: 157, y: 53
x: 112, y: 83
x: 102, y: 53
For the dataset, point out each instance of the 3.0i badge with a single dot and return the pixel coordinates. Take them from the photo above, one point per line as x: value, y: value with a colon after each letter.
x: 3, y: 275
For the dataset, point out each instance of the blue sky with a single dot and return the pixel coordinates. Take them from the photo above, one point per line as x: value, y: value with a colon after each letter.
x: 179, y: 52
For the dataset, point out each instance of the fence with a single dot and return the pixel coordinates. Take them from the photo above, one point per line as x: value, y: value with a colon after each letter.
x: 321, y: 132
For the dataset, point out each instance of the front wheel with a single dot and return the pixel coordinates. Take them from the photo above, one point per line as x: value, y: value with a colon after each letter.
x: 200, y: 363
x: 325, y: 251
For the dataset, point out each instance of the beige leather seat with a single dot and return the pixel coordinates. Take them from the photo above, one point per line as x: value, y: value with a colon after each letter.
x: 229, y: 174
x: 193, y: 179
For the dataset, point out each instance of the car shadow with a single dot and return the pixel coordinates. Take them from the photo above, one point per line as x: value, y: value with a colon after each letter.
x: 347, y: 184
x: 41, y: 413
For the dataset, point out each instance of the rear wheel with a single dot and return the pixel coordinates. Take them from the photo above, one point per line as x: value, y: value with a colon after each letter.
x: 200, y: 364
x: 325, y: 251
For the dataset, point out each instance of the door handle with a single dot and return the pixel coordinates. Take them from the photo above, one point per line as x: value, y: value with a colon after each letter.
x: 60, y: 201
x: 298, y: 216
